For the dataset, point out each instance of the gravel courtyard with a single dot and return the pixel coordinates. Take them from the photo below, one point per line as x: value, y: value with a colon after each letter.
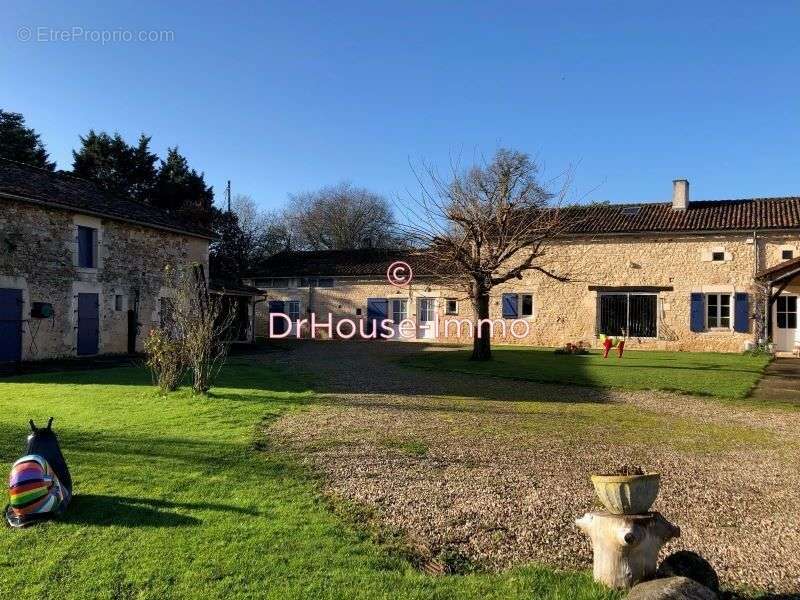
x: 497, y: 470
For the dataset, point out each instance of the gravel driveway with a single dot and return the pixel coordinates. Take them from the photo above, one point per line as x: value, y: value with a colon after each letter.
x: 498, y: 470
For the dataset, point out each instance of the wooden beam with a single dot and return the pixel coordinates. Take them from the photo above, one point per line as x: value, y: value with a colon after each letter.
x: 781, y: 287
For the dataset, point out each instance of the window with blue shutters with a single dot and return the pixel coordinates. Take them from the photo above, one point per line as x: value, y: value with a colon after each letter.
x: 720, y: 311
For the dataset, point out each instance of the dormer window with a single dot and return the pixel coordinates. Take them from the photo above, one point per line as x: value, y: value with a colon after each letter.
x: 87, y: 247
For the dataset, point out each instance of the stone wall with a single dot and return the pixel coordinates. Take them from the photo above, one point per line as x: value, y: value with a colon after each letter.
x: 39, y: 256
x: 568, y: 312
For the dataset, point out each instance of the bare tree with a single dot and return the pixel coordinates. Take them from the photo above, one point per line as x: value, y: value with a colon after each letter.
x: 245, y: 236
x: 485, y: 226
x: 263, y: 232
x: 201, y: 322
x: 341, y: 217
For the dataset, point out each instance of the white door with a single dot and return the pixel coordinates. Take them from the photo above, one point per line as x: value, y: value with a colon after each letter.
x: 398, y: 312
x: 784, y: 326
x: 426, y: 318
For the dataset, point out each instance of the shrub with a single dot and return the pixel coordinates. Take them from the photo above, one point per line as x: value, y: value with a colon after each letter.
x: 166, y: 359
x: 202, y: 321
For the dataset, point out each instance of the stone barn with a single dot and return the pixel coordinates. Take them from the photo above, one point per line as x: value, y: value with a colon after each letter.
x: 82, y: 272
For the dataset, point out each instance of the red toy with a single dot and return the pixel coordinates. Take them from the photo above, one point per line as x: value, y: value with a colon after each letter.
x: 609, y: 341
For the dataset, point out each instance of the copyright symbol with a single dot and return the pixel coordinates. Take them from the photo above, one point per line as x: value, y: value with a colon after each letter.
x: 24, y: 34
x: 399, y: 274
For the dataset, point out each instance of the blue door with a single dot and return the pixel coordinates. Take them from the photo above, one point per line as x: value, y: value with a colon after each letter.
x: 377, y: 311
x: 88, y: 324
x: 277, y: 306
x: 10, y: 325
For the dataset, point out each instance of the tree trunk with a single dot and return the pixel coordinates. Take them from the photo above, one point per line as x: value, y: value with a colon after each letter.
x: 481, y: 334
x: 626, y: 546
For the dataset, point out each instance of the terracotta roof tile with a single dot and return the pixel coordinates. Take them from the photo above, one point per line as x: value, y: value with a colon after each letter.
x: 700, y: 216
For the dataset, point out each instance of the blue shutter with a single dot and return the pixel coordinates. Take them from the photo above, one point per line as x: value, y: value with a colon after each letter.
x: 86, y: 247
x: 510, y: 306
x: 698, y: 317
x: 377, y: 311
x: 741, y: 312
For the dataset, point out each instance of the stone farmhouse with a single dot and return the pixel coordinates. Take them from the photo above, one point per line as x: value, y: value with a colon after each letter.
x: 679, y: 275
x: 81, y: 272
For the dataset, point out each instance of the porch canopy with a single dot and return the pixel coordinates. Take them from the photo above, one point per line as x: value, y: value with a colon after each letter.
x: 775, y: 280
x: 241, y: 299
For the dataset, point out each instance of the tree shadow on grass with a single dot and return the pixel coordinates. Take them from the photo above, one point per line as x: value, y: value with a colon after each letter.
x: 122, y: 511
x: 105, y: 511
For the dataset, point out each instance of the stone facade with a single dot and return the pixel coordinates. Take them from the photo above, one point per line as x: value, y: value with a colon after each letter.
x: 675, y: 266
x: 39, y: 256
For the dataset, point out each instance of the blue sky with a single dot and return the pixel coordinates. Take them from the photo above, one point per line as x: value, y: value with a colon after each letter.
x: 286, y: 97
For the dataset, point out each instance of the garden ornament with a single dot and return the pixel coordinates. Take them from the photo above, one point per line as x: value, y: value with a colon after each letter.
x: 40, y: 486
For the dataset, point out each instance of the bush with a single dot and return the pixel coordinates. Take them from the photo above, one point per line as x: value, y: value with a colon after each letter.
x: 166, y: 359
x: 202, y: 321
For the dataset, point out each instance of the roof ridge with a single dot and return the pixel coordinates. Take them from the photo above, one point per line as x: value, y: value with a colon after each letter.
x: 158, y: 217
x: 609, y: 204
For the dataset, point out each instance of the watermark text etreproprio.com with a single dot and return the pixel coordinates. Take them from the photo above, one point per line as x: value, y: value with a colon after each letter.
x: 42, y: 34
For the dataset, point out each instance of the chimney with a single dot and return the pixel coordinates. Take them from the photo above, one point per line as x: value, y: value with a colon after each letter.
x: 680, y: 194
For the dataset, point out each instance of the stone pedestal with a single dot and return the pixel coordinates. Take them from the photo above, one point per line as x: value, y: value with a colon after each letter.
x: 626, y: 546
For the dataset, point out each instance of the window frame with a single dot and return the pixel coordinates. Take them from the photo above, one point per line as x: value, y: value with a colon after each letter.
x: 91, y: 250
x: 718, y: 316
x: 519, y: 304
x: 119, y: 303
x: 393, y: 304
x: 289, y: 312
x: 717, y: 256
x: 447, y: 309
x: 429, y: 310
x: 784, y: 251
x: 785, y: 312
x: 599, y: 323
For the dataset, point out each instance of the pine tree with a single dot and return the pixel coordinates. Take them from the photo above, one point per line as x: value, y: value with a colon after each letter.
x: 122, y: 170
x: 21, y: 143
x: 182, y: 190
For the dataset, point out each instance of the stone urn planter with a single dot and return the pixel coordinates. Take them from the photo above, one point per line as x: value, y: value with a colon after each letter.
x: 627, y: 494
x: 626, y: 540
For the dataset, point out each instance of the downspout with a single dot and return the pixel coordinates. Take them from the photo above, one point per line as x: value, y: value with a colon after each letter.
x: 761, y: 334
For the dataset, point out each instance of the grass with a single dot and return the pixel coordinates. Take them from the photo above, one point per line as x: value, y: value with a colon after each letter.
x: 415, y: 448
x: 184, y: 497
x: 700, y: 373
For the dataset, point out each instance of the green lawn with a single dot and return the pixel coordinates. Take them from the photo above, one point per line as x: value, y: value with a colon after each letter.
x: 184, y: 497
x: 703, y: 373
